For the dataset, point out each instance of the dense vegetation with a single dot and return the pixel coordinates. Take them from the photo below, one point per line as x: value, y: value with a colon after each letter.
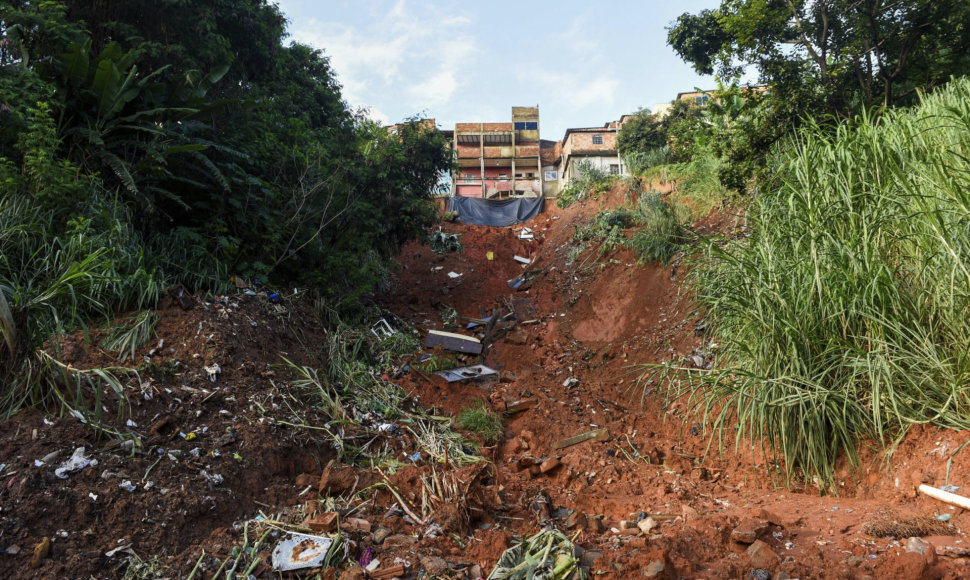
x: 845, y: 315
x: 144, y: 144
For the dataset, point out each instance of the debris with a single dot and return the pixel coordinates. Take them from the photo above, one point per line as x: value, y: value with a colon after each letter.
x: 654, y: 569
x: 452, y: 341
x: 548, y: 555
x: 387, y: 573
x: 570, y: 382
x: 213, y: 371
x: 382, y: 329
x: 454, y: 275
x: 919, y: 546
x: 594, y: 435
x: 515, y: 283
x: 356, y: 525
x: 647, y: 524
x: 301, y: 551
x: 945, y: 496
x: 467, y: 373
x: 521, y: 260
x: 549, y: 465
x: 77, y: 461
x: 41, y: 551
x: 521, y: 405
x: 127, y: 485
x: 325, y: 522
x: 372, y: 566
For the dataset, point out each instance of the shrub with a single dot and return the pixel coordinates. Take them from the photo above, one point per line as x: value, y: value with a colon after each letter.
x: 660, y: 232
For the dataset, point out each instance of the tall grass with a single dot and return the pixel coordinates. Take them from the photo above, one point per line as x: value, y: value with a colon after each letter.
x: 846, y: 315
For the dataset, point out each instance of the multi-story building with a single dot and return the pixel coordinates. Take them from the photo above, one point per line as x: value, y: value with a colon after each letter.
x: 594, y: 144
x: 499, y: 160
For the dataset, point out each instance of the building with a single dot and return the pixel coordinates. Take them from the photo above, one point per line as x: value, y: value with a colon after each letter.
x: 594, y: 144
x: 499, y: 160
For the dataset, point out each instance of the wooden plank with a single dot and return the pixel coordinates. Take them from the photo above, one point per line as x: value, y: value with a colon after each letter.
x: 521, y: 405
x: 387, y: 573
x: 594, y: 435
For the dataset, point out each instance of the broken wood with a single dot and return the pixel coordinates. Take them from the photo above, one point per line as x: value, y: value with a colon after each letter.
x: 452, y: 341
x: 945, y: 496
x: 387, y: 573
x: 595, y: 435
x: 521, y: 405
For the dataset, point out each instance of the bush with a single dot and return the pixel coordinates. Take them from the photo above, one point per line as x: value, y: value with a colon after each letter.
x: 660, y: 232
x: 590, y: 181
x: 844, y: 316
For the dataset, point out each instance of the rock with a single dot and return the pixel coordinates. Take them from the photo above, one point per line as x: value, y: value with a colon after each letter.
x: 637, y: 542
x: 577, y: 519
x: 41, y: 551
x: 772, y: 518
x: 434, y: 565
x: 749, y: 530
x: 760, y: 574
x: 353, y: 573
x: 761, y: 555
x: 355, y: 525
x: 654, y: 569
x: 689, y: 514
x: 596, y: 524
x: 475, y: 572
x: 923, y: 548
x: 589, y: 558
x: 305, y: 480
x: 549, y: 464
x: 647, y: 524
x: 399, y: 540
x: 380, y: 534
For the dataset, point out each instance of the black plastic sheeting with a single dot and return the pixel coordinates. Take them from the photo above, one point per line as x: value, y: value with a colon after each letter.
x: 487, y: 212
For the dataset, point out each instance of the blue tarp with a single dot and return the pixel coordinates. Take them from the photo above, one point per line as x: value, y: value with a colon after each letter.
x: 487, y: 212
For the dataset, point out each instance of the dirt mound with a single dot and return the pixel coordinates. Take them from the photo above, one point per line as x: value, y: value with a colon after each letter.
x: 217, y: 458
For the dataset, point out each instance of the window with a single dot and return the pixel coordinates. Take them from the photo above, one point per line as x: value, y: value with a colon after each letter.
x: 614, y: 169
x: 551, y: 176
x: 503, y: 176
x: 532, y: 125
x: 530, y: 174
x: 526, y: 125
x: 597, y: 139
x: 701, y: 100
x: 469, y: 178
x: 519, y: 126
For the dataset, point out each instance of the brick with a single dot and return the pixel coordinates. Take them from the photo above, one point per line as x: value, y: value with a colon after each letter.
x: 761, y: 555
x: 748, y: 531
x: 325, y: 522
x: 549, y: 464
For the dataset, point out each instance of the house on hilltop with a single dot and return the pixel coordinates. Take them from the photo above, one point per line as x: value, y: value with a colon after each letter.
x: 499, y: 160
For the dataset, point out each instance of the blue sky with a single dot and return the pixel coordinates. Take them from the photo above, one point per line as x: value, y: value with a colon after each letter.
x: 584, y: 63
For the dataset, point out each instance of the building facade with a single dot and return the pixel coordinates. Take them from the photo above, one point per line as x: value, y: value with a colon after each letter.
x: 499, y: 160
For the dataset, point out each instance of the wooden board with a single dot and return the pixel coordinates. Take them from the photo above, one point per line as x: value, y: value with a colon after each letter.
x: 452, y: 341
x: 595, y: 435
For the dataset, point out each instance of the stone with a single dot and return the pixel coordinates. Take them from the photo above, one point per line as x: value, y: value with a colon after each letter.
x: 749, y: 530
x: 577, y: 519
x: 761, y: 555
x: 399, y: 540
x: 41, y: 551
x: 380, y: 534
x: 305, y: 480
x: 549, y: 464
x: 654, y: 569
x: 772, y: 518
x: 760, y: 574
x: 354, y: 572
x: 923, y: 548
x: 355, y: 525
x: 589, y: 558
x: 596, y: 525
x: 647, y: 524
x: 434, y: 565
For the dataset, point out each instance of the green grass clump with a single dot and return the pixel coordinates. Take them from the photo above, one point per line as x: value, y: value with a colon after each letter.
x: 126, y: 339
x: 660, y: 233
x: 844, y: 317
x: 481, y: 420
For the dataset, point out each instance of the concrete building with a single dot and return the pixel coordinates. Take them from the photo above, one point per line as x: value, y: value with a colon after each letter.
x: 594, y: 144
x: 499, y: 160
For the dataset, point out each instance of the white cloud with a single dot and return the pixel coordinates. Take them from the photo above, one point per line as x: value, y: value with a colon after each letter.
x: 411, y: 52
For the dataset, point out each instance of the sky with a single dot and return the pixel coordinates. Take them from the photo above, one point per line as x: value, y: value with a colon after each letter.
x: 584, y: 63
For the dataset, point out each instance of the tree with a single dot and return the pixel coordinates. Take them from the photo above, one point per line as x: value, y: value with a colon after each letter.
x: 639, y: 133
x: 851, y: 53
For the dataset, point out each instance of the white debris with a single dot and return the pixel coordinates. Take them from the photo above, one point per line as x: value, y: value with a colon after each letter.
x: 213, y: 371
x: 301, y: 551
x: 455, y: 275
x: 127, y: 485
x: 75, y: 462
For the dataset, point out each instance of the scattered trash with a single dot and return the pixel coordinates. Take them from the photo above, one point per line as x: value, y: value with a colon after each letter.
x: 945, y: 496
x: 213, y: 371
x: 516, y: 283
x: 302, y: 551
x: 521, y: 260
x: 548, y: 555
x: 950, y: 488
x: 595, y: 435
x: 570, y: 382
x: 274, y: 298
x: 127, y: 486
x: 441, y: 242
x: 382, y: 329
x: 521, y: 405
x: 526, y: 234
x: 467, y: 373
x: 452, y: 341
x: 76, y: 462
x: 944, y: 517
x: 455, y: 275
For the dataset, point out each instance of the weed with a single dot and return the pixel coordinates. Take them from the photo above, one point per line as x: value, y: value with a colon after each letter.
x: 126, y: 339
x: 441, y: 242
x: 660, y: 233
x: 481, y: 420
